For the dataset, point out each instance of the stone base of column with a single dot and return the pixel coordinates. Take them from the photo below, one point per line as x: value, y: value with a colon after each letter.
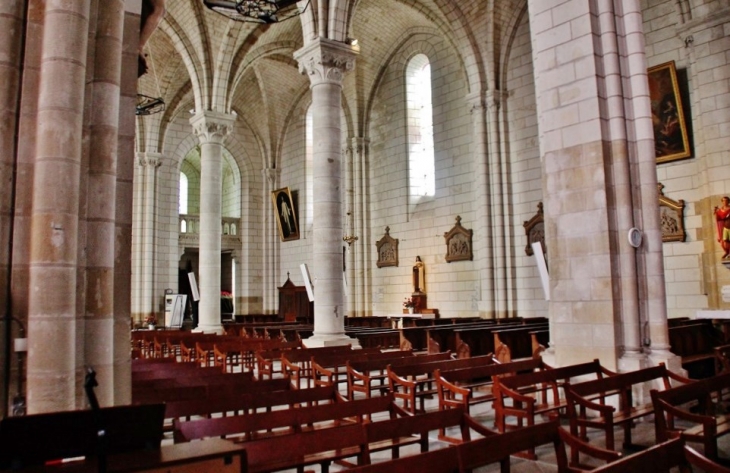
x: 216, y: 329
x: 632, y: 361
x: 670, y: 360
x: 323, y: 340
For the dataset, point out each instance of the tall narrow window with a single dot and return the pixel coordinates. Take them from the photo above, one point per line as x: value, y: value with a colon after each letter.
x: 183, y: 198
x: 421, y: 167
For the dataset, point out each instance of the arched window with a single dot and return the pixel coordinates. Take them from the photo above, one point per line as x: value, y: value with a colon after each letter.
x: 183, y: 198
x: 421, y: 168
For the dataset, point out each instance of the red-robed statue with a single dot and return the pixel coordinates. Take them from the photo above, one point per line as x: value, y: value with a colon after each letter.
x: 722, y: 221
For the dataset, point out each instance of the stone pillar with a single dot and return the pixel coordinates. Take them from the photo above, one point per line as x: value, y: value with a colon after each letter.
x: 211, y: 129
x: 124, y: 215
x: 582, y: 308
x: 325, y: 62
x: 101, y: 199
x: 484, y: 250
x: 360, y: 277
x: 351, y: 248
x: 11, y: 22
x: 52, y: 339
x: 271, y: 247
x: 496, y: 178
x: 148, y: 165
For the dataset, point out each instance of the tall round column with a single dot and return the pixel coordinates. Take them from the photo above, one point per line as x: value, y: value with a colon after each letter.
x: 52, y: 337
x: 101, y: 199
x: 484, y: 247
x: 325, y: 62
x: 211, y: 129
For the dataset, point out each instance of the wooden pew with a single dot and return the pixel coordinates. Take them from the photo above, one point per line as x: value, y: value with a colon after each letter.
x: 32, y: 440
x: 411, y: 382
x: 297, y: 364
x: 466, y: 387
x: 331, y: 369
x: 470, y: 455
x: 517, y: 396
x: 590, y: 396
x: 175, y: 370
x: 697, y: 459
x: 248, y: 403
x: 285, y: 422
x: 204, y: 391
x: 695, y: 343
x: 475, y: 341
x: 368, y: 376
x: 706, y: 425
x: 517, y: 343
x: 655, y: 459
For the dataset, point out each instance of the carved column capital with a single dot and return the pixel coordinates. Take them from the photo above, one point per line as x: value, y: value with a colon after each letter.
x: 495, y: 99
x: 359, y: 144
x: 149, y: 159
x: 475, y: 102
x: 271, y: 175
x: 326, y: 61
x: 212, y: 127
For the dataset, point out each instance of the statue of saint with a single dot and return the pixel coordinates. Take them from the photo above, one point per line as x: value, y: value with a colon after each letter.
x: 722, y: 220
x: 419, y: 276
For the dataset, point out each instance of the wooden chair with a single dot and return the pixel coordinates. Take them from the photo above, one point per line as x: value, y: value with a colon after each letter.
x: 695, y: 458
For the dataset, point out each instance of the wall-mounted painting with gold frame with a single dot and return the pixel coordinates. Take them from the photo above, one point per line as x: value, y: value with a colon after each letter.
x: 286, y: 217
x: 671, y: 141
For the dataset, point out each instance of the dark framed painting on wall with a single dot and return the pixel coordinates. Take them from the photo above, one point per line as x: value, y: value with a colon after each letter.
x: 286, y: 218
x: 671, y: 141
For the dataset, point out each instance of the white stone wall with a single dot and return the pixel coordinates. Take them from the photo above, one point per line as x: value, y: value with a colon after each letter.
x: 451, y: 287
x: 699, y: 47
x: 525, y: 167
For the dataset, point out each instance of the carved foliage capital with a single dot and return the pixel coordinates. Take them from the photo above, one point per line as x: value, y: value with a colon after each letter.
x: 326, y: 61
x: 153, y: 160
x: 212, y: 127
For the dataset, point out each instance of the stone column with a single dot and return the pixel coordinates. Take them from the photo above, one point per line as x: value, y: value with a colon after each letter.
x: 148, y: 165
x: 325, y: 62
x: 484, y: 250
x: 124, y: 215
x: 349, y: 231
x: 271, y: 247
x: 361, y: 267
x: 52, y: 339
x: 583, y: 308
x: 211, y: 129
x: 11, y: 22
x: 101, y: 199
x: 497, y: 209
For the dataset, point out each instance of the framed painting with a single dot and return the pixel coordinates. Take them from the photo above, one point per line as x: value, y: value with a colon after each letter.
x: 671, y: 141
x: 286, y: 218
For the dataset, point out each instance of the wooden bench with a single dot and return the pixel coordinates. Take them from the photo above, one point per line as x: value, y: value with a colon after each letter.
x: 470, y: 386
x: 411, y: 382
x: 658, y: 458
x: 286, y: 421
x: 207, y: 391
x: 32, y: 440
x: 297, y: 364
x: 368, y: 376
x: 695, y: 458
x: 590, y: 396
x: 706, y: 424
x: 479, y: 341
x: 470, y: 455
x: 695, y: 343
x: 331, y: 368
x: 525, y: 396
x: 517, y: 343
x: 248, y: 403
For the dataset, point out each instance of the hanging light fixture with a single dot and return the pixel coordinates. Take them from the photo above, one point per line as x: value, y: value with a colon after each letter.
x: 256, y: 11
